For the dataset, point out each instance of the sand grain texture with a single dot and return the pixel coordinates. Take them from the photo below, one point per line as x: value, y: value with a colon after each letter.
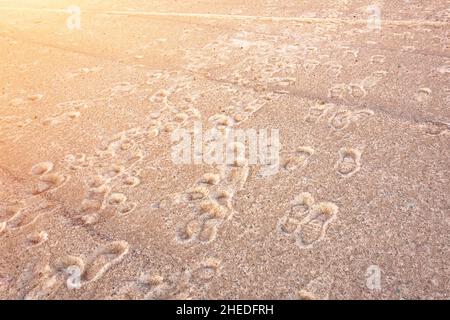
x: 92, y: 205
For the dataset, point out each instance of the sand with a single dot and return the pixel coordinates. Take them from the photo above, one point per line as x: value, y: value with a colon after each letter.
x: 93, y: 206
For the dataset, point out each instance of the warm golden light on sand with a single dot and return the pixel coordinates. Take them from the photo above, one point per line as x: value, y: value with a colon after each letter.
x: 224, y: 149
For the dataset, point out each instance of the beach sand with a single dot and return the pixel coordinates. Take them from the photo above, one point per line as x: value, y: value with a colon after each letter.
x: 93, y: 205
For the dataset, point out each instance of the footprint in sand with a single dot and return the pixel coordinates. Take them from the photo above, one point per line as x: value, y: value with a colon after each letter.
x: 337, y: 91
x: 56, y: 275
x: 299, y: 210
x: 198, y: 193
x: 212, y: 209
x: 310, y: 51
x: 334, y: 70
x: 357, y: 91
x: 203, y: 187
x: 9, y: 211
x: 353, y: 53
x: 373, y: 80
x: 306, y: 223
x: 42, y: 168
x: 29, y: 214
x: 111, y: 171
x: 126, y: 208
x: 211, y: 179
x: 77, y: 161
x: 299, y: 159
x: 207, y: 270
x: 211, y: 212
x: 35, y: 239
x: 47, y: 180
x: 223, y: 197
x: 122, y: 147
x: 317, y: 289
x: 201, y: 229
x: 310, y: 65
x: 95, y: 200
x: 285, y: 82
x: 102, y: 259
x: 314, y: 227
x: 178, y: 285
x: 361, y: 115
x: 121, y: 204
x: 158, y: 287
x: 160, y: 96
x: 170, y: 126
x: 423, y: 95
x: 340, y: 120
x: 89, y: 218
x: 116, y: 198
x: 349, y: 162
x: 117, y: 171
x: 435, y: 128
x: 316, y: 111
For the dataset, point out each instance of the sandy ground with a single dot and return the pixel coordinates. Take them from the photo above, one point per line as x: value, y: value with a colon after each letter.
x: 93, y: 207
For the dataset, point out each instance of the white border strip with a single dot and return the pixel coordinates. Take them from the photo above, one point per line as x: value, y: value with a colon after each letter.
x: 244, y: 17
